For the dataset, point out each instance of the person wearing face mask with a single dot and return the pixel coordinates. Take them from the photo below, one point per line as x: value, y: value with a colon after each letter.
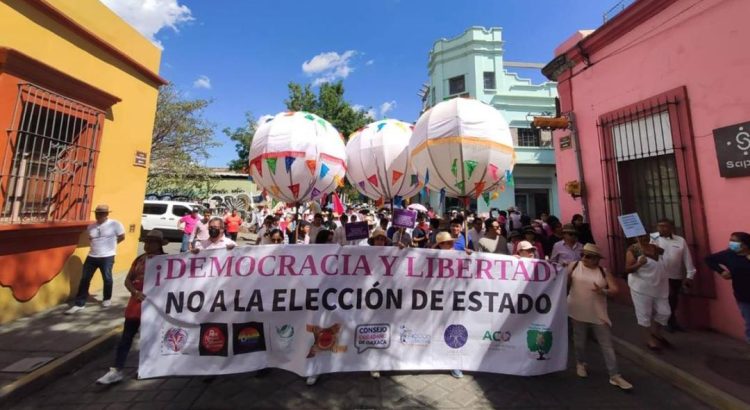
x: 734, y: 264
x: 216, y: 238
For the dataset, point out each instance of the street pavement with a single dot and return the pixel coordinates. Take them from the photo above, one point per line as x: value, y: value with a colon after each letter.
x: 399, y: 390
x: 280, y: 389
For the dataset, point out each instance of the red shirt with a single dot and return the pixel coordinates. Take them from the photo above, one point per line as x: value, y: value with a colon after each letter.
x: 233, y: 223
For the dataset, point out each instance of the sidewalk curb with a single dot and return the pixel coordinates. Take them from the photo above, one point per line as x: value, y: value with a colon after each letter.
x: 685, y: 381
x: 63, y: 364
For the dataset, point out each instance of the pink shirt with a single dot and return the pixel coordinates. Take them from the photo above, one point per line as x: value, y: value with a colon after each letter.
x: 190, y: 223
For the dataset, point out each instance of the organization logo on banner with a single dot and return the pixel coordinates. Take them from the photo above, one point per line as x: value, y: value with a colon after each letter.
x: 539, y: 341
x: 498, y: 339
x: 456, y: 336
x: 285, y: 336
x: 372, y: 336
x: 248, y: 337
x: 409, y: 337
x: 213, y: 339
x: 325, y: 339
x: 173, y: 341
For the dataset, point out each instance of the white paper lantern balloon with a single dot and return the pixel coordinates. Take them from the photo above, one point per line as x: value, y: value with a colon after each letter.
x: 463, y: 146
x: 377, y: 161
x: 297, y: 157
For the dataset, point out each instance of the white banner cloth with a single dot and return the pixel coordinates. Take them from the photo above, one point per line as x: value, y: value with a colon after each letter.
x: 314, y: 309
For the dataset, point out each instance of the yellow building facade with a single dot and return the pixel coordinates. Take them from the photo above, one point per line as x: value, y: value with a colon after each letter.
x: 78, y: 92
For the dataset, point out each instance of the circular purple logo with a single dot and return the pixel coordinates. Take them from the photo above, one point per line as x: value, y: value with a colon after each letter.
x: 455, y: 336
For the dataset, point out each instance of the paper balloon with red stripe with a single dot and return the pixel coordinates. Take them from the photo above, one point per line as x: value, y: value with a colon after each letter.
x: 377, y: 160
x: 462, y: 146
x: 297, y: 157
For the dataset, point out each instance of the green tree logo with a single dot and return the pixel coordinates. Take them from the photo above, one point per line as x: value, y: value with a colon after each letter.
x: 539, y: 341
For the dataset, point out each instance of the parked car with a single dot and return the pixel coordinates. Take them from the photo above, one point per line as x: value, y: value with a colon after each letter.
x: 164, y: 216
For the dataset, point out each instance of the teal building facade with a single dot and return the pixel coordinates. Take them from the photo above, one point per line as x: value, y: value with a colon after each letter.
x: 472, y: 65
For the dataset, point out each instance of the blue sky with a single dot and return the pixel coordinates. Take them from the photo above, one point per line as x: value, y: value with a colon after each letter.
x: 242, y: 54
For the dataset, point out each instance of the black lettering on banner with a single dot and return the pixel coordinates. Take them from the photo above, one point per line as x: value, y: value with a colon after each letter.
x: 197, y: 297
x: 524, y: 303
x: 326, y: 304
x: 418, y: 299
x: 311, y: 299
x: 342, y: 303
x: 543, y: 303
x: 491, y: 296
x: 218, y: 302
x: 507, y: 303
x: 292, y: 306
x: 256, y: 301
x: 476, y: 303
x: 393, y: 300
x: 376, y: 294
x: 458, y: 301
x: 178, y: 303
x: 278, y: 300
x: 237, y: 305
x: 436, y: 302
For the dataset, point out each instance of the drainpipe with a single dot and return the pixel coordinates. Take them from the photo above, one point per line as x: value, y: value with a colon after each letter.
x: 579, y: 161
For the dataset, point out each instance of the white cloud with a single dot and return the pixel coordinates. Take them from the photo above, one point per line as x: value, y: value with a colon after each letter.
x: 369, y: 111
x: 202, y: 82
x: 386, y: 107
x: 151, y: 16
x: 370, y: 62
x: 329, y: 66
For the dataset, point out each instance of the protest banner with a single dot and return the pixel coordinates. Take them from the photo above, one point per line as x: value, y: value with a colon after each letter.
x: 356, y: 230
x: 314, y: 309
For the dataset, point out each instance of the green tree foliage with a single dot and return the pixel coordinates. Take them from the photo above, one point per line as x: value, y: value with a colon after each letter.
x: 242, y: 137
x: 180, y: 143
x: 330, y: 104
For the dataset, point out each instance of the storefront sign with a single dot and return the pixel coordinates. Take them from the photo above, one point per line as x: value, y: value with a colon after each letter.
x: 733, y: 150
x: 314, y: 309
x: 565, y: 142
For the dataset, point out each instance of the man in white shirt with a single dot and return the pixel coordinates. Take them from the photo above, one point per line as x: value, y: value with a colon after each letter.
x: 476, y: 232
x: 216, y: 238
x: 339, y: 234
x: 104, y: 235
x: 263, y: 233
x: 676, y: 262
x: 316, y: 227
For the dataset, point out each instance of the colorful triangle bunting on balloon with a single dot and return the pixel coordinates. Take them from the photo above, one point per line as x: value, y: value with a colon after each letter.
x: 486, y: 197
x: 493, y: 172
x: 380, y: 202
x: 509, y: 178
x: 495, y: 195
x: 338, y: 181
x: 295, y: 190
x: 454, y: 167
x: 479, y: 187
x: 311, y: 164
x: 275, y: 190
x: 470, y: 165
x: 414, y: 179
x: 271, y: 162
x: 288, y: 161
x: 361, y: 184
x: 396, y: 176
x: 310, y: 117
x: 462, y: 186
x: 373, y: 179
x: 314, y: 194
x: 258, y: 166
x: 427, y: 177
x: 324, y: 170
x: 381, y: 125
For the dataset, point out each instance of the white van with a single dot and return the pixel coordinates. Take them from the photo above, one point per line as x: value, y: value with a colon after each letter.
x: 164, y: 216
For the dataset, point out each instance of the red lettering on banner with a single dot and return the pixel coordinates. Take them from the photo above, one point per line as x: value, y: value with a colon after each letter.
x: 324, y: 264
x: 388, y: 266
x: 463, y: 265
x: 195, y: 266
x: 309, y: 264
x: 521, y: 270
x: 180, y: 271
x: 238, y: 266
x: 217, y: 266
x: 546, y: 268
x: 285, y: 263
x: 261, y: 265
x: 484, y: 266
x: 503, y: 268
x: 444, y: 265
x: 410, y: 268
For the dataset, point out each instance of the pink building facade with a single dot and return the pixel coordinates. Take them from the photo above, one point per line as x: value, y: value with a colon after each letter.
x: 650, y: 94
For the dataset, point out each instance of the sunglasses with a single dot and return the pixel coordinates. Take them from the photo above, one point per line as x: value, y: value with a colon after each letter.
x: 587, y: 256
x: 277, y: 240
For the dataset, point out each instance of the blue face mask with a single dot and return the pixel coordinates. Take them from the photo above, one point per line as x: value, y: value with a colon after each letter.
x: 734, y: 246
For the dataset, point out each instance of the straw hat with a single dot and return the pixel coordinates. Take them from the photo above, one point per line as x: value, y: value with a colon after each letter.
x: 378, y: 232
x: 592, y: 249
x: 569, y: 228
x: 155, y: 235
x: 443, y: 237
x: 525, y: 246
x: 102, y: 209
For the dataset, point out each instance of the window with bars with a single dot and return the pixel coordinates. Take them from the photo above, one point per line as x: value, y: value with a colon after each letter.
x: 529, y: 137
x: 456, y: 85
x: 649, y: 167
x: 48, y: 161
